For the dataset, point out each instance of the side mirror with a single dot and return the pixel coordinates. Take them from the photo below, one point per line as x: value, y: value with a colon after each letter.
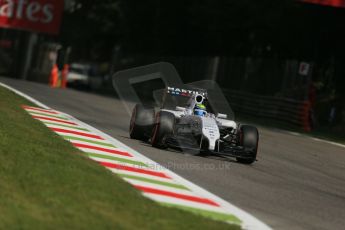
x: 222, y: 116
x: 181, y: 109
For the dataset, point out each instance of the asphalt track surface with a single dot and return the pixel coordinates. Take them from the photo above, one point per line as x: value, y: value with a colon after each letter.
x: 297, y: 183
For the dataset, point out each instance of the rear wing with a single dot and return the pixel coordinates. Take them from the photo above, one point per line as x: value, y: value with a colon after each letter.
x: 186, y: 92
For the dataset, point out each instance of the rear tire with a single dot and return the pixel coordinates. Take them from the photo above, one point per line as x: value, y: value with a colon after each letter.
x: 142, y: 122
x: 164, y: 126
x: 250, y: 141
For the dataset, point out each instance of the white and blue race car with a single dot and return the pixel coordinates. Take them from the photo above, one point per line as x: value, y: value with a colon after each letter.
x: 186, y: 120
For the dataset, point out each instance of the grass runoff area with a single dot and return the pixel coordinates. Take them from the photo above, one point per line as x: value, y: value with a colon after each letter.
x: 45, y: 183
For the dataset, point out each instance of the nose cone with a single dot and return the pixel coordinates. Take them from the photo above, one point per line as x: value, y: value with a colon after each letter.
x: 210, y: 131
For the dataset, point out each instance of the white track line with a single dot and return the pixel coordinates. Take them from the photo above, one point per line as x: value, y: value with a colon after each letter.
x: 249, y: 222
x: 314, y: 138
x: 329, y: 142
x: 25, y: 96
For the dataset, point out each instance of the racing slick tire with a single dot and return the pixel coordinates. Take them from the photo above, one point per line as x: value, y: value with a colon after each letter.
x: 250, y: 141
x: 142, y: 122
x: 164, y: 126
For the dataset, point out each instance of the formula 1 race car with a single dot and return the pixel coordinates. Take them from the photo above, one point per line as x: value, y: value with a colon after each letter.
x: 188, y: 122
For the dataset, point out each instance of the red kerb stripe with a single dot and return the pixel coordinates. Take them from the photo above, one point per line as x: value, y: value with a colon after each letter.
x: 38, y: 109
x: 102, y: 149
x: 53, y: 119
x: 132, y: 169
x: 177, y: 195
x: 77, y: 133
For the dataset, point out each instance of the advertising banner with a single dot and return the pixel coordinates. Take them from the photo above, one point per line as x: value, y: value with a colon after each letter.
x: 34, y: 15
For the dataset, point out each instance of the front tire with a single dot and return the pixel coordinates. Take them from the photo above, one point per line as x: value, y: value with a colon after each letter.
x: 142, y: 122
x: 250, y: 141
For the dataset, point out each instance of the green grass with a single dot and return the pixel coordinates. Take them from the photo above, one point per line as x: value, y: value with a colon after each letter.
x: 45, y: 183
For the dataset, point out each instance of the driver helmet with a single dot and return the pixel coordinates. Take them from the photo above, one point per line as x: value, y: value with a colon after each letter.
x: 200, y: 110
